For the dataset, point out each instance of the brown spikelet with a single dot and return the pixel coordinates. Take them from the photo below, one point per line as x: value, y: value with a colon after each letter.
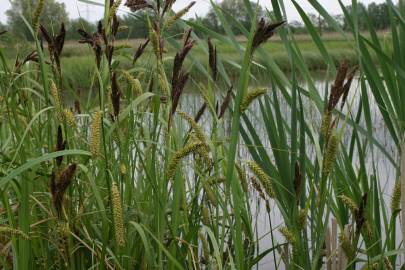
x: 200, y: 112
x: 264, y: 31
x: 168, y: 5
x: 140, y: 50
x: 136, y: 5
x: 338, y: 86
x: 60, y: 145
x: 55, y: 44
x: 225, y: 103
x: 212, y: 54
x: 115, y: 95
x: 32, y: 56
x: 179, y: 78
x: 59, y: 184
x: 77, y: 106
x: 95, y: 41
x: 360, y: 215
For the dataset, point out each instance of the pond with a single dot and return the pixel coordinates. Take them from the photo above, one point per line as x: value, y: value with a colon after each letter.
x: 376, y: 159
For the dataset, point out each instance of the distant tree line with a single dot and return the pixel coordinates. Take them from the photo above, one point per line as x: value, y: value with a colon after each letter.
x: 234, y: 12
x: 377, y: 13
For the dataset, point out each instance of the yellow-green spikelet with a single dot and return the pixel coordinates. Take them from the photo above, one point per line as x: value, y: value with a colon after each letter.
x: 250, y: 97
x: 199, y: 133
x: 135, y: 83
x: 210, y: 194
x: 242, y: 177
x: 387, y: 264
x: 114, y: 8
x: 170, y: 22
x: 349, y: 203
x: 302, y: 218
x: 95, y: 142
x: 9, y: 230
x: 188, y: 149
x: 330, y: 155
x: 263, y: 178
x: 288, y: 235
x: 69, y: 117
x: 347, y: 246
x: 326, y: 120
x: 205, y: 216
x: 123, y: 169
x: 205, y: 247
x: 117, y: 214
x: 57, y: 101
x: 37, y: 14
x: 396, y: 197
x: 164, y: 84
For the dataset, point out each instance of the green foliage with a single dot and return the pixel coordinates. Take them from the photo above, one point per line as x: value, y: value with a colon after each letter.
x: 105, y: 164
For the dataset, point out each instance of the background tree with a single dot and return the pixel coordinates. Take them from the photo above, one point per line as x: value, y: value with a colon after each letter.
x: 379, y: 15
x: 136, y: 25
x: 80, y: 23
x: 52, y: 15
x: 233, y: 10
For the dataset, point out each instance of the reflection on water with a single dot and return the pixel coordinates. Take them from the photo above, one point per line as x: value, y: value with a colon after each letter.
x: 376, y: 161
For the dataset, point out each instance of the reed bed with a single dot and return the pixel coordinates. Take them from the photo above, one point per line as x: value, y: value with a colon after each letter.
x: 122, y: 173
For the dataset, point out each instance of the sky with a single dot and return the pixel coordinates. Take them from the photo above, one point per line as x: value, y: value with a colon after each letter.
x: 77, y: 9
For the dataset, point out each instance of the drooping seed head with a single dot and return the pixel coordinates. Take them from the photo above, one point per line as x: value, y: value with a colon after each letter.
x: 179, y: 155
x: 288, y: 235
x: 250, y: 97
x: 263, y: 178
x: 13, y: 231
x: 178, y: 15
x: 349, y: 203
x: 242, y: 177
